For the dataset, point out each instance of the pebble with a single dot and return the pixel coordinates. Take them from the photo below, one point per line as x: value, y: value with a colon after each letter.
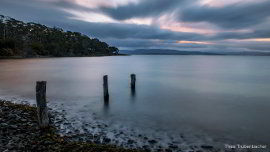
x: 173, y: 146
x: 207, y: 147
x: 100, y: 136
x: 107, y: 140
x: 152, y: 141
x: 130, y: 141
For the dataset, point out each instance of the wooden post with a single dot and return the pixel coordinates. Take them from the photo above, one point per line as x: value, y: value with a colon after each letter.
x: 105, y: 88
x: 133, y: 81
x: 42, y: 109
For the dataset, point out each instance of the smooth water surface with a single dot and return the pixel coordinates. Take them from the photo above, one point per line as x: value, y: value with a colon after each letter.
x: 225, y: 97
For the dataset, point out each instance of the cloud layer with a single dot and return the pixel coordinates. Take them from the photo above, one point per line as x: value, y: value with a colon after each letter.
x: 204, y: 25
x: 232, y: 16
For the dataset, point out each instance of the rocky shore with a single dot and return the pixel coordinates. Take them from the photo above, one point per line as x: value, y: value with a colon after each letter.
x: 19, y: 131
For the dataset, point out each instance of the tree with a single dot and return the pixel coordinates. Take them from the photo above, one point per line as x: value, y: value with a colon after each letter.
x: 38, y: 48
x: 36, y: 39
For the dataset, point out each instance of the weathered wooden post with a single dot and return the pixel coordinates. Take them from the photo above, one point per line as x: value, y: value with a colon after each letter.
x: 133, y: 81
x: 42, y: 109
x: 105, y: 88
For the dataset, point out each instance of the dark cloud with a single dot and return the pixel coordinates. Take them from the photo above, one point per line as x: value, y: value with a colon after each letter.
x: 233, y: 16
x: 33, y: 11
x: 244, y: 45
x: 259, y: 46
x: 131, y: 43
x: 142, y: 43
x: 142, y: 9
x: 124, y: 31
x: 256, y: 33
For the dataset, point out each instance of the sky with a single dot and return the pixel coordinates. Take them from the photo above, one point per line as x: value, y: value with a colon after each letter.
x: 189, y: 25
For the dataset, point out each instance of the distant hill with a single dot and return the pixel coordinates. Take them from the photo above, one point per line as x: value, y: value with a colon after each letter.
x: 34, y: 40
x: 164, y: 52
x: 177, y: 52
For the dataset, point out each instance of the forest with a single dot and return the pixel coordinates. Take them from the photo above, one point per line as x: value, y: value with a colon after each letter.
x: 20, y: 39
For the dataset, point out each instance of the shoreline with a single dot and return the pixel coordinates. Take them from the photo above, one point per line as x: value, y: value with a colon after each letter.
x: 50, y: 57
x: 20, y: 132
x: 45, y: 57
x: 25, y: 135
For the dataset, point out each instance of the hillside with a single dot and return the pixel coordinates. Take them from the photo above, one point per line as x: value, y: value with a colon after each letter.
x: 34, y: 40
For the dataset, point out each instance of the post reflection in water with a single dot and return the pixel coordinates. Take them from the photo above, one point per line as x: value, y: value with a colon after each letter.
x: 106, y: 107
x: 133, y: 94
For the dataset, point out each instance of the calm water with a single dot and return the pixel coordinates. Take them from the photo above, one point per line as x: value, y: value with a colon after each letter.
x: 223, y: 97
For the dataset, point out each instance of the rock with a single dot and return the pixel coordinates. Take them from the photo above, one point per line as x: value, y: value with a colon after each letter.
x: 9, y: 146
x: 4, y: 124
x: 168, y: 150
x: 130, y: 141
x: 107, y: 140
x: 97, y: 141
x: 23, y: 120
x: 13, y: 126
x: 207, y: 147
x: 152, y: 141
x: 145, y: 147
x: 66, y: 123
x: 173, y: 146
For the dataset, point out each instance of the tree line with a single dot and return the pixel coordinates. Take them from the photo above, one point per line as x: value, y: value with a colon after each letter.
x: 32, y: 40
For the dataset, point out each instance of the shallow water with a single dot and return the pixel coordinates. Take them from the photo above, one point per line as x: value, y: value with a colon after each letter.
x: 217, y: 99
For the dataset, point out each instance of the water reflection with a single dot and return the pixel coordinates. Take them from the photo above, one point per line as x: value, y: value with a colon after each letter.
x: 133, y: 94
x: 106, y: 107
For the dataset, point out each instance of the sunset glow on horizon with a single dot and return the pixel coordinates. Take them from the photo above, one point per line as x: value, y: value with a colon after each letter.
x: 194, y: 42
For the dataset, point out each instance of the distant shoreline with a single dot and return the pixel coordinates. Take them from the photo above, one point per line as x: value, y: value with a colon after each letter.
x: 179, y: 52
x: 44, y: 57
x: 202, y: 54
